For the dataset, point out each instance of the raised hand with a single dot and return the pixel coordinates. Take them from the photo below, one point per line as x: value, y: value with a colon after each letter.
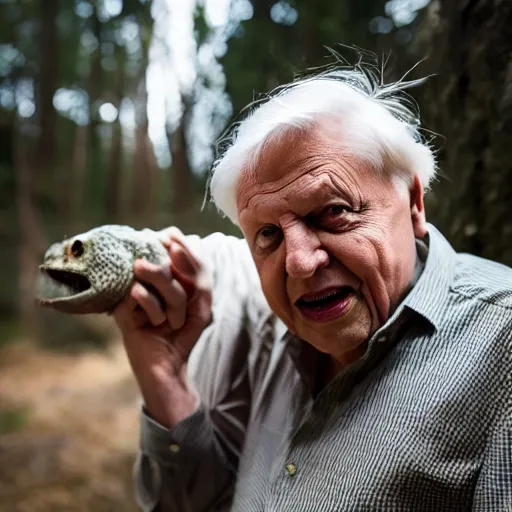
x: 164, y: 315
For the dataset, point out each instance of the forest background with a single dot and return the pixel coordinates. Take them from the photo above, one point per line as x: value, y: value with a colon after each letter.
x: 109, y: 111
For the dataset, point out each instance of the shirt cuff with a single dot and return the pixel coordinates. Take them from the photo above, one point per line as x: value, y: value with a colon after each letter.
x: 185, y: 443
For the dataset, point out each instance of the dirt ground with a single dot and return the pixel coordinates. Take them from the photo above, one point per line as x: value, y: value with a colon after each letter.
x: 68, y: 430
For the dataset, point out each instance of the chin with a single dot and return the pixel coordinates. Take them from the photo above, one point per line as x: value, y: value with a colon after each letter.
x: 339, y: 336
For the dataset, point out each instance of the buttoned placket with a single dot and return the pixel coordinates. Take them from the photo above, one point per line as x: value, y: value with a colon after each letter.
x: 290, y: 466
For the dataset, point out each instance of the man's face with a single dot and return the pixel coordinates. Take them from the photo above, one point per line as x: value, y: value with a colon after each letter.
x: 333, y: 242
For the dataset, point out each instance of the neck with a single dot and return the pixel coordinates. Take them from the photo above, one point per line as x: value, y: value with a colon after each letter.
x: 328, y: 367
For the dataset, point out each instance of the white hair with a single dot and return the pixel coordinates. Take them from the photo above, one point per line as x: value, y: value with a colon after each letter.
x: 379, y: 124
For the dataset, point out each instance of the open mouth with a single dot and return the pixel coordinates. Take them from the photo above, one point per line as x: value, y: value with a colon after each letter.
x: 55, y: 284
x: 327, y: 304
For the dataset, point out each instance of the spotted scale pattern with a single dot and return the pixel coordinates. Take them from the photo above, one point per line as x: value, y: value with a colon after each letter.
x: 107, y: 262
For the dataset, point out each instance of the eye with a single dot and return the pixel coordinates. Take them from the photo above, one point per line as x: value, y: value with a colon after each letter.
x: 77, y: 249
x: 336, y: 209
x: 268, y: 231
x: 267, y: 236
x: 334, y: 216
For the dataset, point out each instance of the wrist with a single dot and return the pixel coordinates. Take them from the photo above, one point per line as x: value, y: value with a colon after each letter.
x: 169, y: 400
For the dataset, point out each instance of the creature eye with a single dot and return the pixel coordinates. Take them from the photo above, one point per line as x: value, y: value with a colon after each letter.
x: 77, y: 249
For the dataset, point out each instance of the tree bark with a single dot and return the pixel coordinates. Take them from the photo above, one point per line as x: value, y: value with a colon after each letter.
x: 469, y: 103
x: 48, y: 82
x: 143, y: 201
x: 113, y: 195
x: 71, y: 202
x: 181, y: 171
x: 31, y: 241
x: 93, y: 191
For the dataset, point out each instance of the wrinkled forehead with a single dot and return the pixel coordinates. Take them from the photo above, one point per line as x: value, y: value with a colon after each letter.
x: 288, y: 154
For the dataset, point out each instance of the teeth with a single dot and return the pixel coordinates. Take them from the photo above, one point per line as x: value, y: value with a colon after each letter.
x: 323, y: 296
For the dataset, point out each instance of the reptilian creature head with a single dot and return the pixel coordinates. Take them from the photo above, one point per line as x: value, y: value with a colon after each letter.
x: 93, y: 272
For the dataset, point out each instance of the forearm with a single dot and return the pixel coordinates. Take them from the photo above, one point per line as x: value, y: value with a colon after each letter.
x: 182, y: 469
x: 191, y: 467
x: 169, y: 398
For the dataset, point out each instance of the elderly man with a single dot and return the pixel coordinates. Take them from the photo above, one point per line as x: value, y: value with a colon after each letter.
x: 353, y: 361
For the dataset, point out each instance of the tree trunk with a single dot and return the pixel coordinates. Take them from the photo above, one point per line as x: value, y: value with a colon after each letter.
x: 113, y: 195
x: 310, y: 46
x: 181, y: 171
x: 93, y: 192
x: 143, y: 201
x: 74, y: 198
x: 470, y: 104
x: 31, y: 241
x: 139, y: 191
x: 48, y: 81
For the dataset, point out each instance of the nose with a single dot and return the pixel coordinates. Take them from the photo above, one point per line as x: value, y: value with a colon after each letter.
x: 304, y: 252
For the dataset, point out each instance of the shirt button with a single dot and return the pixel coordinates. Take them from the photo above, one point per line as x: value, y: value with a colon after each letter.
x: 174, y: 448
x: 291, y: 469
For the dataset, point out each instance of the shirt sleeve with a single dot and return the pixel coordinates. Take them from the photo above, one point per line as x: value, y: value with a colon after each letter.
x: 493, y: 491
x: 192, y: 466
x: 183, y: 468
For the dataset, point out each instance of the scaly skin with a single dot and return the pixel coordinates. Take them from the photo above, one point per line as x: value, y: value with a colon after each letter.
x: 93, y: 272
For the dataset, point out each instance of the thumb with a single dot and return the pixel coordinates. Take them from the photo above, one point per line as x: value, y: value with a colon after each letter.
x: 184, y: 266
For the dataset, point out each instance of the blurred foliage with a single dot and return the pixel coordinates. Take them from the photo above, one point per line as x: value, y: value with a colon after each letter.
x: 12, y: 419
x: 66, y: 166
x: 70, y: 71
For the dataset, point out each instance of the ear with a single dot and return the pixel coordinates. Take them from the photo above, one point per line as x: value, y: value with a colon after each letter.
x: 417, y: 206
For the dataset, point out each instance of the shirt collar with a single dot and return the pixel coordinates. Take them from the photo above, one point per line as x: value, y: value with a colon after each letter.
x: 280, y: 328
x: 429, y: 295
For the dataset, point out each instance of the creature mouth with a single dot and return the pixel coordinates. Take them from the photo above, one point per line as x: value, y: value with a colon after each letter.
x: 60, y: 284
x: 76, y: 282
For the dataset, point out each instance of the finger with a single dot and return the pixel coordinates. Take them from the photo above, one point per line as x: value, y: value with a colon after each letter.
x: 182, y: 257
x: 176, y: 300
x: 189, y: 266
x: 185, y: 257
x: 171, y: 291
x: 123, y: 312
x: 177, y: 315
x: 149, y: 303
x: 140, y: 318
x: 168, y: 234
x: 160, y: 277
x: 185, y: 268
